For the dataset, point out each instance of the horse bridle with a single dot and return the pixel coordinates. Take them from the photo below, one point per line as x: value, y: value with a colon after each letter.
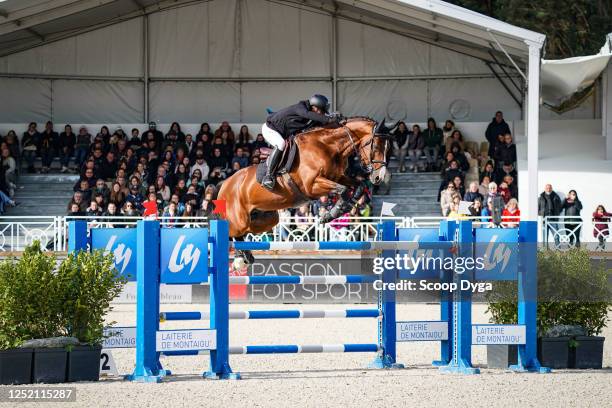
x: 369, y: 167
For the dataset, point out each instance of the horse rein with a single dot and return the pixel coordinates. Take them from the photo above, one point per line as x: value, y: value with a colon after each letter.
x: 368, y: 168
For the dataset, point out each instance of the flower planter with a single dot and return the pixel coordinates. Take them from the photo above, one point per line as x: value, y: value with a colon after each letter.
x: 553, y: 352
x: 16, y: 366
x: 49, y: 365
x: 84, y: 363
x: 501, y: 355
x: 588, y: 352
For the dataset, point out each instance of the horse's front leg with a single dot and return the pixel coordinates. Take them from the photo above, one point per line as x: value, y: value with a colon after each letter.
x: 323, y: 186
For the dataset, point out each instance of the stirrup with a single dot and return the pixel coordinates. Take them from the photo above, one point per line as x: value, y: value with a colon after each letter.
x: 268, y: 182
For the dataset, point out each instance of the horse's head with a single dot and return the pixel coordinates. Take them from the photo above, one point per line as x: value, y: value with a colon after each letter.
x: 376, y: 148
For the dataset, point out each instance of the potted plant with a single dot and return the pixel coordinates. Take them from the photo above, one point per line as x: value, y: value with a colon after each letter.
x: 89, y: 282
x: 28, y: 310
x: 573, y: 303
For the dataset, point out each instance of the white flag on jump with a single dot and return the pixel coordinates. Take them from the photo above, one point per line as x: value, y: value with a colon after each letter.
x: 387, y: 209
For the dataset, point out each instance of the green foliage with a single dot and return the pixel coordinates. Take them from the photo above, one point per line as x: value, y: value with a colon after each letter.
x: 39, y: 300
x: 572, y: 27
x: 572, y: 290
x: 28, y: 298
x: 89, y: 282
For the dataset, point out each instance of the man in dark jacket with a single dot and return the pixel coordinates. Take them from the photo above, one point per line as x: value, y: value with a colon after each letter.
x: 288, y: 121
x: 498, y: 126
x: 549, y: 205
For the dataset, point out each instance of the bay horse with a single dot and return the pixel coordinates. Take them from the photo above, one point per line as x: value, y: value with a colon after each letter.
x: 317, y: 170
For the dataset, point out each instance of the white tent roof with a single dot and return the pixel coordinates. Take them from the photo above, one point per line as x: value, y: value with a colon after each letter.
x: 28, y: 23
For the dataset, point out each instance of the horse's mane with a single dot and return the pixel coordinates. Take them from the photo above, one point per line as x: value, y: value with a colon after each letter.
x: 349, y: 119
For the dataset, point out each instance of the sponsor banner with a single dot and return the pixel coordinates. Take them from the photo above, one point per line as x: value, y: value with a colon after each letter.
x: 184, y: 255
x: 119, y: 337
x: 498, y: 334
x: 167, y: 294
x: 422, y: 331
x: 179, y: 340
x: 499, y: 251
x: 121, y: 242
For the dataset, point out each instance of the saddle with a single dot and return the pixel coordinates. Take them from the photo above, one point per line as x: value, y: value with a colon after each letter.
x: 287, y: 160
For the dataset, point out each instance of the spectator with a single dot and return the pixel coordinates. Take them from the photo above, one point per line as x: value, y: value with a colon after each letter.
x: 241, y: 157
x: 401, y: 136
x: 84, y: 189
x: 130, y: 210
x: 303, y: 217
x: 162, y: 189
x: 454, y: 137
x: 458, y: 182
x: 448, y: 129
x: 48, y: 146
x: 150, y: 205
x: 93, y: 210
x: 83, y: 142
x: 111, y: 210
x: 601, y: 230
x: 511, y: 214
x: 460, y: 157
x: 216, y: 176
x: 10, y: 170
x: 117, y: 195
x: 77, y: 198
x: 509, y: 180
x: 30, y: 143
x: 12, y: 143
x: 99, y: 198
x: 473, y: 193
x: 244, y: 140
x: 67, y: 142
x: 135, y: 197
x: 155, y: 134
x: 572, y: 207
x: 433, y: 140
x: 498, y: 126
x: 506, y: 151
x: 476, y: 208
x: 226, y: 129
x: 74, y: 210
x: 364, y: 209
x: 549, y: 205
x: 504, y: 192
x: 204, y: 132
x: 201, y: 165
x: 454, y: 212
x: 170, y: 216
x: 322, y: 206
x: 446, y: 198
x: 488, y: 171
x: 483, y: 188
x: 506, y: 169
x: 416, y: 144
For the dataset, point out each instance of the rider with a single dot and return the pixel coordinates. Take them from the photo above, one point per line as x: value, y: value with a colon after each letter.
x: 291, y: 120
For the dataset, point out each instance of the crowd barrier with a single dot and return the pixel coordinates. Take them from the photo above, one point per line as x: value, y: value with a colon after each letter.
x: 189, y: 256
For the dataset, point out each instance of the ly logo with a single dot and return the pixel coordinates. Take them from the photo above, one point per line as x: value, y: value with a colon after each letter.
x: 494, y: 254
x: 189, y: 255
x: 121, y: 253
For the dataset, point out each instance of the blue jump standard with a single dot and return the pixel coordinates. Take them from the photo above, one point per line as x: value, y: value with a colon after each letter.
x: 276, y: 314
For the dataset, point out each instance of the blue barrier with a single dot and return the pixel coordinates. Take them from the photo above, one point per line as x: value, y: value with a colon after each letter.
x: 174, y: 260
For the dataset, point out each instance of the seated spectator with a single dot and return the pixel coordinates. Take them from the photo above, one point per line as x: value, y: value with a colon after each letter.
x: 81, y: 147
x: 488, y: 171
x: 84, y: 189
x: 135, y: 197
x: 446, y: 198
x: 241, y: 157
x: 201, y: 165
x: 259, y: 142
x: 416, y: 144
x: 483, y: 188
x: 454, y: 213
x: 117, y: 195
x: 473, y: 193
x: 401, y: 135
x: 511, y: 214
x: 216, y: 176
x: 170, y: 216
x: 244, y: 141
x: 12, y: 143
x: 601, y: 229
x: 66, y: 144
x: 476, y: 208
x: 458, y: 182
x: 162, y: 189
x: 111, y: 210
x: 48, y: 146
x: 506, y: 169
x: 303, y: 217
x: 10, y: 170
x: 460, y: 157
x: 364, y: 209
x: 447, y: 131
x: 93, y: 210
x: 454, y: 137
x: 74, y: 210
x: 77, y: 198
x: 504, y: 192
x: 99, y: 199
x: 512, y: 187
x: 150, y: 205
x: 129, y: 210
x: 30, y: 143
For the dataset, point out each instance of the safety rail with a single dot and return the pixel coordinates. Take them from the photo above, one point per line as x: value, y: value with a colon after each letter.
x: 559, y: 232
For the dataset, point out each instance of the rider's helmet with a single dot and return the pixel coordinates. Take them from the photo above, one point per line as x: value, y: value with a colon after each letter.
x: 320, y: 102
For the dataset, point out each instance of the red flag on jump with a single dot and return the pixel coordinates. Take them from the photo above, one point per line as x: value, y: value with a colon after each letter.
x: 219, y: 207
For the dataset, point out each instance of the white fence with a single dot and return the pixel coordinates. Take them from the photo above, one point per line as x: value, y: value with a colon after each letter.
x: 555, y: 232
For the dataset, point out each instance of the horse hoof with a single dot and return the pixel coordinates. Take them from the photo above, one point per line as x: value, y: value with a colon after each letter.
x: 239, y: 263
x: 249, y: 258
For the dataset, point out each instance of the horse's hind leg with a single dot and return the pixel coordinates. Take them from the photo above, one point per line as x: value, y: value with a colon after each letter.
x: 246, y: 255
x: 263, y: 221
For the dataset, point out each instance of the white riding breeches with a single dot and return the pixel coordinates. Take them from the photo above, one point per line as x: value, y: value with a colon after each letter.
x: 273, y: 137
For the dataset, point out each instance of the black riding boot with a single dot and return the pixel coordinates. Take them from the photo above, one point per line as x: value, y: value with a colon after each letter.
x: 269, y: 179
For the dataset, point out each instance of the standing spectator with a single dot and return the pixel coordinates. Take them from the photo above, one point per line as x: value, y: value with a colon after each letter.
x: 505, y: 152
x: 400, y: 143
x: 511, y: 214
x: 601, y: 230
x: 48, y: 146
x: 572, y: 207
x: 30, y: 143
x: 433, y: 141
x: 66, y: 143
x: 549, y: 205
x: 498, y: 126
x: 416, y: 144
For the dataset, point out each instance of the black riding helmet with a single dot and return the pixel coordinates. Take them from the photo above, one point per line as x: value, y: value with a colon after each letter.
x: 320, y: 102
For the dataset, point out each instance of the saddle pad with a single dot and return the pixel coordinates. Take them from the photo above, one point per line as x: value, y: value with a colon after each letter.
x: 286, y: 163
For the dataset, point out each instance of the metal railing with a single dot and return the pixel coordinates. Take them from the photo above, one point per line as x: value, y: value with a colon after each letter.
x: 555, y: 232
